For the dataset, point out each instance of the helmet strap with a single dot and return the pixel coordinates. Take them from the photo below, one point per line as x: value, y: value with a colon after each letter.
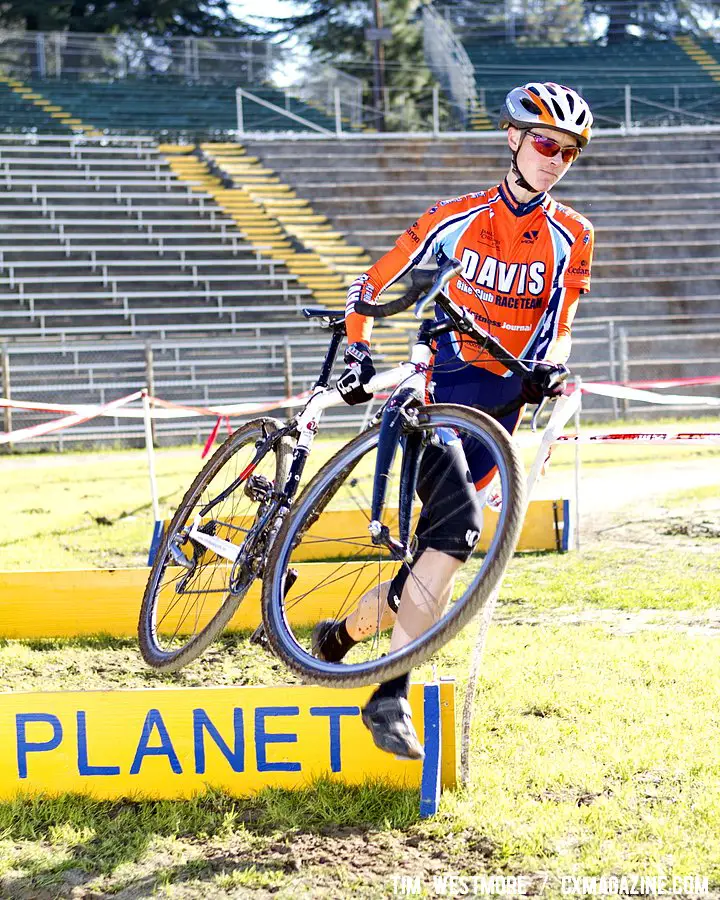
x: 521, y: 179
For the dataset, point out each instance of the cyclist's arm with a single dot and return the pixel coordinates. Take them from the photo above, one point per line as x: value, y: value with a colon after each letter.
x: 559, y: 350
x: 368, y: 287
x: 414, y: 247
x: 576, y: 281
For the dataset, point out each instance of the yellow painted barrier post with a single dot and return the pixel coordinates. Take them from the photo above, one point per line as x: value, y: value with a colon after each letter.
x: 176, y: 742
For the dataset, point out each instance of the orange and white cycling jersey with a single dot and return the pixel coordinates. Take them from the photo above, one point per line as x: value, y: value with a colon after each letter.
x: 524, y: 267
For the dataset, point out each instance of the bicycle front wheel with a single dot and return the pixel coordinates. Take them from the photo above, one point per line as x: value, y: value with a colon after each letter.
x: 192, y: 593
x: 340, y: 570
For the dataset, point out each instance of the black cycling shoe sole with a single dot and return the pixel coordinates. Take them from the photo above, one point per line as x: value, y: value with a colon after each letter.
x: 379, y: 724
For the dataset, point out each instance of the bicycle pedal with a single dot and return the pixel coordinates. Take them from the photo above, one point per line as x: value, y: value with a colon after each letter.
x: 260, y: 637
x: 290, y: 579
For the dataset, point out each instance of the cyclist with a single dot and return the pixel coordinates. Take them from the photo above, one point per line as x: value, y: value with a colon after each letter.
x: 526, y: 261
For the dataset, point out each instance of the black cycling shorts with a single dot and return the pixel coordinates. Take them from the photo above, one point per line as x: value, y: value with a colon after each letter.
x: 451, y: 519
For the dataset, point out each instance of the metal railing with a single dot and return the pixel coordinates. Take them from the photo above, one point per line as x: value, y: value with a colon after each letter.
x: 630, y: 106
x: 183, y: 371
x: 102, y: 57
x: 336, y: 92
x: 62, y: 54
x: 448, y: 61
x: 556, y: 21
x: 617, y: 108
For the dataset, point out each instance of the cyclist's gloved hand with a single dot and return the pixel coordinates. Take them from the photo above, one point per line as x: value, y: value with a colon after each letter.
x: 359, y: 371
x: 545, y: 380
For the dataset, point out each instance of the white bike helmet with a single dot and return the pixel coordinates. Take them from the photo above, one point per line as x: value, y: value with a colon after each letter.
x: 552, y: 105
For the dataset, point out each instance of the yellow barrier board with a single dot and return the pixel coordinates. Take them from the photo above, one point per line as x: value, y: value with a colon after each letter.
x: 72, y: 603
x: 543, y: 529
x: 174, y: 742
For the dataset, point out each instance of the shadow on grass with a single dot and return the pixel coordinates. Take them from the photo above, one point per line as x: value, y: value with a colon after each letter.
x: 85, y: 642
x: 95, y: 837
x: 229, y: 641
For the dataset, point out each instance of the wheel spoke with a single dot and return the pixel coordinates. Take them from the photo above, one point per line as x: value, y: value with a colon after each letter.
x: 183, y: 610
x: 322, y: 527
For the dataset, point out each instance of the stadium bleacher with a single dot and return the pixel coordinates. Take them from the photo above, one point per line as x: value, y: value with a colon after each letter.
x: 172, y: 107
x: 113, y: 240
x: 661, y: 75
x: 653, y: 202
x: 107, y: 243
x: 80, y: 206
x: 19, y: 112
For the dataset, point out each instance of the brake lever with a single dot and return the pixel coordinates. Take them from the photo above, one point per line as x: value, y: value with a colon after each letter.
x: 560, y: 379
x: 454, y: 267
x: 536, y: 414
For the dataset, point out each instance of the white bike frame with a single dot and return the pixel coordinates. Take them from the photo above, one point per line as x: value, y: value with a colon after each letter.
x: 412, y: 374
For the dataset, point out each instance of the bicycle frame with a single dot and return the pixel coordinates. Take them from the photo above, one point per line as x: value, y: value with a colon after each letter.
x: 408, y: 382
x: 304, y: 427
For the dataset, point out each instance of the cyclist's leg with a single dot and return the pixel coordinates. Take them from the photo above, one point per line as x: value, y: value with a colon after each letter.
x: 446, y: 539
x: 443, y: 474
x: 427, y: 587
x: 374, y: 613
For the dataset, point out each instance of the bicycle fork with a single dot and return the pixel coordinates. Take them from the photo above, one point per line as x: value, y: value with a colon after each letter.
x: 400, y: 411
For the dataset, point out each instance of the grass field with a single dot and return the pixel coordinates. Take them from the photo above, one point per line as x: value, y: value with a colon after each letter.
x: 596, y: 744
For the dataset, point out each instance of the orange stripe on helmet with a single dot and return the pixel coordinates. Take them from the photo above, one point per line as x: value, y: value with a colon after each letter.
x: 545, y: 113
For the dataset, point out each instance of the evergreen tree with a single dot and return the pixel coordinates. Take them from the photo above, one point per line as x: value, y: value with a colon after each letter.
x: 557, y: 21
x: 161, y: 18
x: 334, y: 30
x: 654, y: 20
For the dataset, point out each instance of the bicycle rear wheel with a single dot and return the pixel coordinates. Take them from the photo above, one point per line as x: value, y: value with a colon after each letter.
x: 191, y: 593
x: 326, y: 538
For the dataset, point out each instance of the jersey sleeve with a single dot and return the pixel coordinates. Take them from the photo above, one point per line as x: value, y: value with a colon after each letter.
x: 423, y: 238
x: 577, y: 274
x: 416, y: 246
x: 559, y: 350
x: 368, y: 287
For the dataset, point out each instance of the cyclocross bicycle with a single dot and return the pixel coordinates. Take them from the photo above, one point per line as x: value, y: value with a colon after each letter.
x: 239, y: 520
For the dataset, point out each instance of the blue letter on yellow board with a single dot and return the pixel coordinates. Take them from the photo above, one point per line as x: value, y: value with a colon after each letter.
x: 235, y: 757
x: 262, y: 738
x: 24, y: 746
x: 154, y: 720
x: 334, y: 713
x: 84, y: 767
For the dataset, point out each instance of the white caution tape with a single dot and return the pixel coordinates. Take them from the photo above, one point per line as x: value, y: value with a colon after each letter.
x: 77, y: 418
x: 629, y: 393
x: 645, y: 437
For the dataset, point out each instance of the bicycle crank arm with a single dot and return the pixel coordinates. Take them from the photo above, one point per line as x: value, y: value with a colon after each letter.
x: 225, y: 549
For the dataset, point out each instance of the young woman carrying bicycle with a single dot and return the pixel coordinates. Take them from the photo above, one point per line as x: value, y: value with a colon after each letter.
x: 526, y: 260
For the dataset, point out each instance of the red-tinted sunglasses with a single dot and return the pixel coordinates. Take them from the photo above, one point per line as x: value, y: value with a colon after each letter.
x: 548, y: 147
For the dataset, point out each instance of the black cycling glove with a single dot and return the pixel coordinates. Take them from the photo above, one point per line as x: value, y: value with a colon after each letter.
x: 359, y: 371
x: 545, y: 380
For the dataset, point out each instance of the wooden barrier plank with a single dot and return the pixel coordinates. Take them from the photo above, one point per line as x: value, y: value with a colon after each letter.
x: 173, y: 742
x: 72, y: 603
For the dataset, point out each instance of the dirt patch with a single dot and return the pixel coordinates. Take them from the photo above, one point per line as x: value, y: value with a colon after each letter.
x: 689, y: 622
x: 327, y: 864
x: 630, y: 497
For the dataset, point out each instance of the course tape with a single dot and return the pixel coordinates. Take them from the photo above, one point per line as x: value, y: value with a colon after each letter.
x: 77, y: 418
x: 165, y: 409
x: 645, y: 437
x: 622, y: 392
